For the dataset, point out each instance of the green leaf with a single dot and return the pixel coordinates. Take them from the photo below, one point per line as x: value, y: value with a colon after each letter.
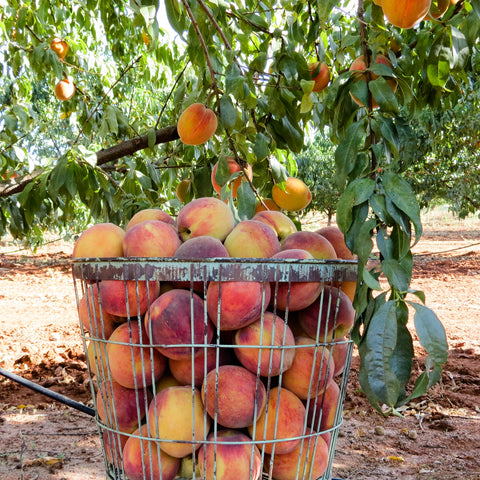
x: 151, y: 137
x: 356, y: 193
x: 431, y: 333
x: 260, y: 148
x: 228, y: 112
x: 376, y: 375
x: 401, y: 194
x: 440, y: 59
x: 371, y: 280
x: 384, y: 95
x: 397, y: 276
x: 246, y: 201
x: 175, y: 17
x: 347, y: 150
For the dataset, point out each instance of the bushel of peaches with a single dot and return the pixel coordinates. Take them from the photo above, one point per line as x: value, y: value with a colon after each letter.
x: 151, y: 344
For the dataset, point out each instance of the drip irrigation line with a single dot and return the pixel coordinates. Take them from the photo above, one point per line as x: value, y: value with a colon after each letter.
x: 47, y: 392
x: 446, y: 251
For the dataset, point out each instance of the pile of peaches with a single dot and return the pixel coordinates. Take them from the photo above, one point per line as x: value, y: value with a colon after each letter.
x: 223, y: 378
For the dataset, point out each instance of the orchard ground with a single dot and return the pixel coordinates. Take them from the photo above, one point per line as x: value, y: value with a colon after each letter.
x: 437, y: 438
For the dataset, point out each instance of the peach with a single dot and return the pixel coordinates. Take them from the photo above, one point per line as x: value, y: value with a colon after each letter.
x: 320, y: 75
x: 169, y: 323
x: 295, y: 295
x: 333, y: 321
x: 203, y: 362
x: 229, y: 456
x: 64, y: 89
x: 205, y: 216
x: 313, y: 242
x: 150, y: 214
x: 339, y: 352
x: 199, y: 248
x: 309, y: 459
x: 311, y: 369
x: 437, y: 9
x: 196, y: 124
x: 121, y: 408
x: 132, y: 363
x: 233, y: 396
x: 296, y: 195
x: 252, y: 239
x: 282, y: 225
x: 113, y: 443
x: 100, y: 240
x: 266, y: 204
x: 167, y: 380
x: 97, y: 322
x: 177, y: 414
x: 142, y: 459
x: 60, y: 47
x: 405, y: 13
x: 230, y: 311
x: 358, y: 68
x: 233, y: 167
x: 97, y: 358
x: 323, y: 409
x: 151, y: 238
x: 127, y: 298
x: 335, y: 236
x: 269, y: 333
x: 282, y: 421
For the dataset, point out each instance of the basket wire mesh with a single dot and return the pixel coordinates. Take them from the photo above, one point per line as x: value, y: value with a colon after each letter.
x: 133, y: 441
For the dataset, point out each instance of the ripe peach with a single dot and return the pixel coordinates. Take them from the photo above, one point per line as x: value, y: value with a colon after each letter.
x: 121, y: 408
x: 230, y: 311
x: 127, y: 298
x: 142, y: 459
x: 313, y: 242
x: 97, y: 322
x: 97, y: 358
x: 150, y: 214
x: 229, y: 456
x: 196, y: 124
x: 323, y: 409
x: 320, y: 75
x: 336, y: 316
x: 309, y: 458
x: 266, y: 332
x: 100, y: 240
x: 132, y: 365
x: 233, y: 167
x: 339, y: 351
x: 233, y: 396
x: 311, y: 369
x: 205, y: 216
x: 177, y: 414
x: 282, y: 421
x: 296, y: 195
x: 199, y: 248
x: 295, y: 295
x: 60, y: 47
x: 335, y: 236
x: 437, y: 9
x: 167, y: 380
x: 169, y: 323
x: 405, y: 13
x: 358, y: 68
x: 204, y: 361
x: 252, y: 239
x: 64, y: 89
x: 282, y: 225
x: 113, y: 443
x: 151, y: 238
x: 266, y: 204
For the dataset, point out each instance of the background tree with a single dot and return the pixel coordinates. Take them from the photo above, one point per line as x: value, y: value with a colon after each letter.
x: 113, y: 147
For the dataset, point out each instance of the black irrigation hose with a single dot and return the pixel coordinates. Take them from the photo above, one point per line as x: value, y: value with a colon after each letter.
x: 47, y: 392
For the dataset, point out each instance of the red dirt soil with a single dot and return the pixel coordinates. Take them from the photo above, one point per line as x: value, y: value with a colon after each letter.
x: 438, y: 437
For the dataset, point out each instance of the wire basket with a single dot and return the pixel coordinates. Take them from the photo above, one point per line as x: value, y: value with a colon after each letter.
x: 217, y: 367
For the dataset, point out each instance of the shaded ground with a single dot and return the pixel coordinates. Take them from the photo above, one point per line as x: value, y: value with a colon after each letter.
x: 437, y: 439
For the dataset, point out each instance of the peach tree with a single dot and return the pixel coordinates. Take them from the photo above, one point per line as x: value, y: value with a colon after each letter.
x: 113, y: 148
